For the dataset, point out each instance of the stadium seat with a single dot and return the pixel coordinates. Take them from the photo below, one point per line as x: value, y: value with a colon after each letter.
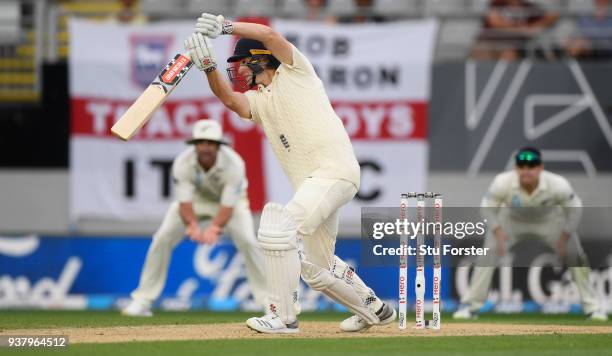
x: 456, y: 37
x: 342, y: 7
x: 565, y: 28
x: 10, y: 16
x: 19, y: 77
x: 580, y: 7
x: 293, y: 8
x: 478, y: 7
x: 255, y: 8
x: 91, y: 8
x: 550, y: 5
x: 550, y: 44
x: 196, y: 7
x: 393, y: 8
x: 445, y: 8
x: 161, y: 8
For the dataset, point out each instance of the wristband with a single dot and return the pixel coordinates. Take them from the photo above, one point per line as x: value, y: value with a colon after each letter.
x: 227, y: 28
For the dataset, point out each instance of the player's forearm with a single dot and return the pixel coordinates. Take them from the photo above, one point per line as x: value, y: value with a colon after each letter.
x: 223, y: 216
x: 232, y: 100
x: 254, y: 31
x: 272, y: 40
x: 500, y: 235
x: 187, y: 214
x: 220, y: 87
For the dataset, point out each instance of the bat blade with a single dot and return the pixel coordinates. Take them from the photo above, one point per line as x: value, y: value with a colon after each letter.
x: 152, y: 98
x: 140, y: 112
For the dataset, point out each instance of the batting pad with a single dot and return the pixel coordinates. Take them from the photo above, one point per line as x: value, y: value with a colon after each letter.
x: 277, y: 238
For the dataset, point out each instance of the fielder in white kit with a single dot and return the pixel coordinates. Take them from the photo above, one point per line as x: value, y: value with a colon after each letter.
x: 210, y: 187
x: 315, y: 152
x: 531, y: 203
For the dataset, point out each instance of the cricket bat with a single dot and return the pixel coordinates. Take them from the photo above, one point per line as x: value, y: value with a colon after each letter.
x: 152, y: 98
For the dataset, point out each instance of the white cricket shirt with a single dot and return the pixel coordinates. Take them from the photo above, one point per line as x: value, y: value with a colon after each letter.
x: 305, y: 133
x: 553, y: 192
x: 223, y: 184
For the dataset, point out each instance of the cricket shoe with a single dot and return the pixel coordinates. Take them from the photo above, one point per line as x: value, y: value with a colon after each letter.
x: 137, y: 308
x: 598, y: 316
x: 464, y: 313
x: 386, y: 314
x: 272, y: 324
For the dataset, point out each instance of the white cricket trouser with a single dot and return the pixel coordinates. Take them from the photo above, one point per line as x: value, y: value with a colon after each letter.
x: 315, y: 208
x: 547, y: 231
x: 172, y: 230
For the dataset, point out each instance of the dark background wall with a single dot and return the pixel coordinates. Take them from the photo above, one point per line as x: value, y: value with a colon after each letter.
x: 37, y: 135
x: 453, y: 146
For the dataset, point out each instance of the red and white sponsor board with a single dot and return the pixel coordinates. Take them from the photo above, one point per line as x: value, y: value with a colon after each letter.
x: 377, y: 77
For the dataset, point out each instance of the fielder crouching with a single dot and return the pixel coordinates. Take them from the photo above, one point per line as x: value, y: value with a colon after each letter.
x: 315, y: 152
x: 531, y: 203
x: 210, y: 185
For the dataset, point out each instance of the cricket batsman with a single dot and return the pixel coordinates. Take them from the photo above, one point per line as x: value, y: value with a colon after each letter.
x: 315, y: 152
x: 210, y: 186
x: 525, y: 203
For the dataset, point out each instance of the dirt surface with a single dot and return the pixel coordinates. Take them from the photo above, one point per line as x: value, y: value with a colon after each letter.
x: 308, y: 330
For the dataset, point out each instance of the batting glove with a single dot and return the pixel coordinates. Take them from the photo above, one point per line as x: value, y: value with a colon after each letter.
x: 212, y: 26
x: 201, y: 51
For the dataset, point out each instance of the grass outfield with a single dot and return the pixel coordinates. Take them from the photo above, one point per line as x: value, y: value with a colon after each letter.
x: 26, y: 319
x: 555, y: 344
x: 477, y: 345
